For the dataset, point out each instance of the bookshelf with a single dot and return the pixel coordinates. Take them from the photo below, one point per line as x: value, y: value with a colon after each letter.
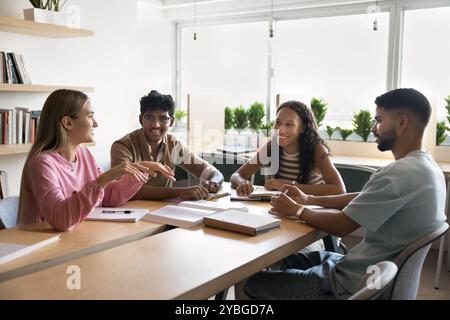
x: 9, y: 24
x: 40, y: 88
x: 16, y: 149
x: 14, y: 25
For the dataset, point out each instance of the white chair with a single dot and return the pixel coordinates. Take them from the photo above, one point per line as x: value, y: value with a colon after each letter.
x: 9, y: 208
x: 442, y: 241
x: 383, y: 278
x: 409, y: 263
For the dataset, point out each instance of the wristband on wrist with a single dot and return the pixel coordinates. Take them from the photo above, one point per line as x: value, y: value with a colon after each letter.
x: 299, y: 213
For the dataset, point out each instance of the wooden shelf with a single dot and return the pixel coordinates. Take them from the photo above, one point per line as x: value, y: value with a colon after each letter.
x: 11, y: 149
x: 8, y: 24
x: 40, y: 88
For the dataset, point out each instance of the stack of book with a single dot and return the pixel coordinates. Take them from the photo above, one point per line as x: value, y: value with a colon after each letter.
x: 188, y: 214
x: 12, y: 69
x: 18, y: 125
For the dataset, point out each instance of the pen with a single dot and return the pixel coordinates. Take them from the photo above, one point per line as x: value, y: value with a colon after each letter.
x: 217, y: 196
x: 117, y: 211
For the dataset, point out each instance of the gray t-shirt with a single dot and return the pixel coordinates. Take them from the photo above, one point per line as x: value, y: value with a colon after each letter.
x: 400, y: 203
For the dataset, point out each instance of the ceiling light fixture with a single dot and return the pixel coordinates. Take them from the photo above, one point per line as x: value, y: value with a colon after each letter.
x: 195, y: 19
x: 271, y: 20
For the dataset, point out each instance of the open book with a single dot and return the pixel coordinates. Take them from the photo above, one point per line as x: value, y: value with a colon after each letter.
x: 242, y: 222
x: 258, y: 194
x: 117, y: 214
x: 188, y: 213
x: 13, y: 247
x: 178, y: 216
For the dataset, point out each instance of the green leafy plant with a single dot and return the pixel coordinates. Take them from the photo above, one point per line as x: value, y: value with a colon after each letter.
x: 330, y: 131
x: 240, y: 118
x: 448, y: 108
x: 229, y: 118
x: 180, y: 114
x: 440, y: 132
x: 345, y: 133
x: 362, y: 122
x: 265, y: 128
x: 255, y: 115
x: 319, y: 108
x: 52, y: 5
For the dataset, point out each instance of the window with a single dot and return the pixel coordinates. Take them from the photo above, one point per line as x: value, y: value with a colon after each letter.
x: 340, y: 59
x: 228, y: 60
x: 426, y: 55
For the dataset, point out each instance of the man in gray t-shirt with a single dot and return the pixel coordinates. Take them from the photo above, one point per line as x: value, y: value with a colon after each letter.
x: 400, y: 203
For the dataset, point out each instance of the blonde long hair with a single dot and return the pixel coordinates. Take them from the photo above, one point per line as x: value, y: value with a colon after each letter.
x: 51, y: 134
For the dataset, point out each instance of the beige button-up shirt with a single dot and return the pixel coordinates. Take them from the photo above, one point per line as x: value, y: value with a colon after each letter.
x: 133, y: 147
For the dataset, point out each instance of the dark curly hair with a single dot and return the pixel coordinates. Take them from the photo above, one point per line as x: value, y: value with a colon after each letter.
x: 307, y: 140
x: 155, y: 101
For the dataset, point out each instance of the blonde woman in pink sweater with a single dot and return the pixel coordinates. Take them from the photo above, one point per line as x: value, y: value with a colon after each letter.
x: 61, y: 182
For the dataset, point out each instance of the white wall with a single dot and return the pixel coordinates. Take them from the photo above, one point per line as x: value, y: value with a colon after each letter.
x: 131, y: 53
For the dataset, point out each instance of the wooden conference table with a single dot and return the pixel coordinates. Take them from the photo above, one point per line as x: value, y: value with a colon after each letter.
x: 175, y: 264
x: 87, y: 238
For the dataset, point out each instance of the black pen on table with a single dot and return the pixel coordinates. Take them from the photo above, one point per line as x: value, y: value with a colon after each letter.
x: 117, y: 211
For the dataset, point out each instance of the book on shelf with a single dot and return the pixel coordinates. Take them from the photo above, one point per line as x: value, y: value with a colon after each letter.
x: 15, y: 243
x: 117, y: 214
x: 259, y: 193
x: 3, y: 77
x: 18, y: 125
x: 13, y: 69
x: 242, y: 222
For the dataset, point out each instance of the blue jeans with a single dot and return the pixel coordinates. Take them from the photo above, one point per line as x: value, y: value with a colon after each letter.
x: 303, y: 276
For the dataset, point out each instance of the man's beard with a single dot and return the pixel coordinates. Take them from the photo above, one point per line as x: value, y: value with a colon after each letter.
x: 387, y: 141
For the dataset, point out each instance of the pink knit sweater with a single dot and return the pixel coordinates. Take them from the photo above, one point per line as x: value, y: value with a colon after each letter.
x: 63, y: 193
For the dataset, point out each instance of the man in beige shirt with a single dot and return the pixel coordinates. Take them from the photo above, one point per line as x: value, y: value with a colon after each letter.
x: 153, y: 143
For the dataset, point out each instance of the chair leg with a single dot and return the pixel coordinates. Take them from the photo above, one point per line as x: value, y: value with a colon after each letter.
x: 331, y: 243
x: 448, y: 250
x: 222, y: 295
x: 439, y: 263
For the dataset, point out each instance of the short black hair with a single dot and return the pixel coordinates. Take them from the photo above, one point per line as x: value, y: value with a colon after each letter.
x: 155, y: 100
x: 408, y: 99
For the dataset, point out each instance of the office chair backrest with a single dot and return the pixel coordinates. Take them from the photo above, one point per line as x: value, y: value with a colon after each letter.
x: 380, y: 278
x: 409, y: 263
x: 354, y: 176
x: 9, y: 208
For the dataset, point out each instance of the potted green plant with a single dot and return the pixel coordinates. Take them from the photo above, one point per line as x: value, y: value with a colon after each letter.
x: 362, y: 122
x: 240, y: 119
x: 255, y: 115
x: 229, y: 118
x: 264, y: 129
x: 319, y: 108
x: 179, y: 116
x: 330, y: 131
x: 440, y: 132
x: 448, y: 108
x: 46, y: 11
x: 345, y: 133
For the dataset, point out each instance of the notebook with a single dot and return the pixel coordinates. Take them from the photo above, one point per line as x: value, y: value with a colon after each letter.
x: 214, y: 206
x: 178, y: 216
x: 13, y: 247
x: 211, y: 196
x: 242, y: 222
x: 236, y: 149
x: 117, y: 214
x: 258, y: 194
